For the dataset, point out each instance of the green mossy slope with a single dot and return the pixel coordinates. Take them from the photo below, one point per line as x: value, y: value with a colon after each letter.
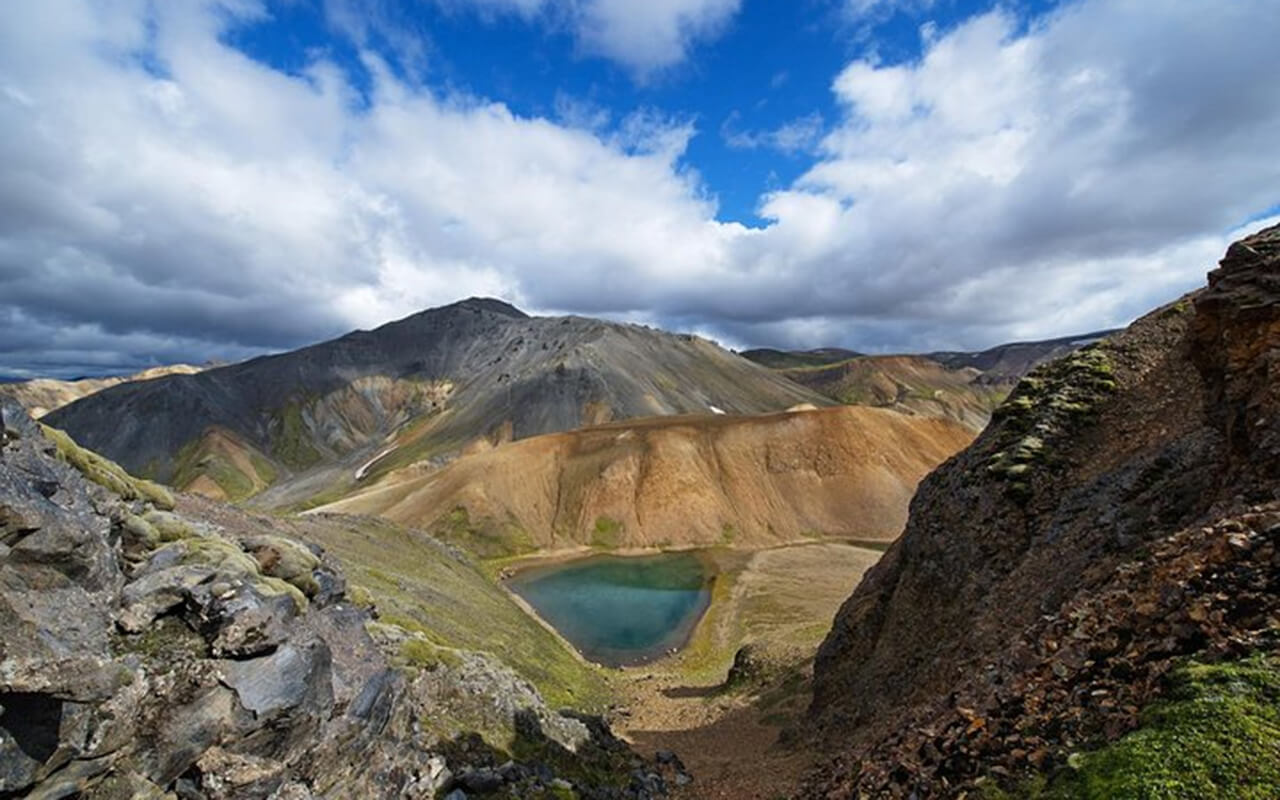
x: 1215, y: 735
x: 425, y: 586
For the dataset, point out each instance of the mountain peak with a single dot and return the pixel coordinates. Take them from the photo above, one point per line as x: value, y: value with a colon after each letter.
x: 491, y: 304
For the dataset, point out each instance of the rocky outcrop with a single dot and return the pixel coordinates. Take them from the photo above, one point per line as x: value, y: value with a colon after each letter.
x: 1118, y: 516
x: 159, y: 654
x: 1236, y: 344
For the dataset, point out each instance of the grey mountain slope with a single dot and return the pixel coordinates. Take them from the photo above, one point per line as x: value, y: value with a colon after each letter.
x: 1008, y: 362
x: 491, y: 370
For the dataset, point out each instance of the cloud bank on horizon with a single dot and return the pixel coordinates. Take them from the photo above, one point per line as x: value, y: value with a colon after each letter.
x: 169, y: 193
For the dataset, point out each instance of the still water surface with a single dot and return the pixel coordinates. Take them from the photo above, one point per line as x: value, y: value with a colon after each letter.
x: 620, y: 609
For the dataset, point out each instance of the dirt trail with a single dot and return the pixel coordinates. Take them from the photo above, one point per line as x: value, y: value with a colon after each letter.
x: 728, y: 745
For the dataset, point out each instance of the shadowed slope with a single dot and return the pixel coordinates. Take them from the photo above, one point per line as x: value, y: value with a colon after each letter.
x: 1118, y: 517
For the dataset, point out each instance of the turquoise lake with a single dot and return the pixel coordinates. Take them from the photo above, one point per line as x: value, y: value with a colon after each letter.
x: 620, y: 610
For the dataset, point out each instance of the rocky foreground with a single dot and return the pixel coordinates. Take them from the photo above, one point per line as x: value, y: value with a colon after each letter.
x: 1104, y: 559
x: 151, y: 654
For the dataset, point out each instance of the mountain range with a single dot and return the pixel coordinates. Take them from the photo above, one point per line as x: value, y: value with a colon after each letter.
x: 1084, y: 600
x: 425, y: 387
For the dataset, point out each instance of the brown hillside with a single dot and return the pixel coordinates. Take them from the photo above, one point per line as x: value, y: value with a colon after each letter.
x: 1120, y: 516
x: 907, y: 383
x: 694, y: 480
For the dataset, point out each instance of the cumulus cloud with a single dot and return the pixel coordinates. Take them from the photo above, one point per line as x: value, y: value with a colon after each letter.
x: 1061, y: 178
x: 164, y: 197
x: 645, y: 37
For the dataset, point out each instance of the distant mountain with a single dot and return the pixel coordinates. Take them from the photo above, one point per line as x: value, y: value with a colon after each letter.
x: 39, y: 396
x: 317, y: 421
x: 910, y: 384
x: 961, y: 386
x: 786, y: 359
x: 1008, y: 362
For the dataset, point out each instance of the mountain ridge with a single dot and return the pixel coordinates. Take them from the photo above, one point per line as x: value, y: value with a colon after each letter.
x: 41, y: 396
x: 434, y: 381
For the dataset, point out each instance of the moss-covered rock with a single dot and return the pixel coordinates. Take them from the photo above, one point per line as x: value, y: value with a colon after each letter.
x: 1216, y: 735
x: 419, y: 652
x: 271, y: 586
x: 106, y: 472
x: 285, y: 559
x: 212, y: 552
x: 1044, y: 408
x: 138, y: 535
x: 360, y: 597
x: 169, y: 526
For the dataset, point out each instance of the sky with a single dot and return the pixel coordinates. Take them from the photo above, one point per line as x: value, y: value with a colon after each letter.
x: 186, y: 180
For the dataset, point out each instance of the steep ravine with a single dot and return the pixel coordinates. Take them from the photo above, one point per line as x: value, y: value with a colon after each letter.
x: 1117, y: 522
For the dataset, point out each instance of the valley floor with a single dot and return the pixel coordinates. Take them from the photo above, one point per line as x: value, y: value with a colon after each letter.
x: 780, y: 601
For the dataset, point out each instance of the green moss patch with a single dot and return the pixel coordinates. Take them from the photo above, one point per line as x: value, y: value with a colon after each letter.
x: 485, y: 538
x: 1216, y: 734
x: 1044, y: 409
x: 168, y: 526
x: 607, y: 533
x: 106, y: 472
x: 292, y: 445
x: 421, y: 653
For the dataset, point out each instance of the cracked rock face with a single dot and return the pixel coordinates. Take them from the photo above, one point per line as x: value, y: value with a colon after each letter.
x: 154, y: 654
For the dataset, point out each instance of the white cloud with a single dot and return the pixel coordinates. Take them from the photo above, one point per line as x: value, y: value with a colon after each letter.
x: 645, y: 37
x: 800, y: 135
x: 650, y: 35
x: 193, y: 202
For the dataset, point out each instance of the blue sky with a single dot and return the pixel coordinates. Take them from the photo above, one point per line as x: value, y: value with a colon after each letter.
x: 767, y: 67
x: 219, y: 178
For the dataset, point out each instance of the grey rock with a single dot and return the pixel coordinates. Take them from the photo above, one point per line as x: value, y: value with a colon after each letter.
x: 288, y: 678
x: 438, y: 774
x: 158, y: 592
x: 480, y: 781
x: 241, y: 621
x: 15, y: 422
x: 186, y: 731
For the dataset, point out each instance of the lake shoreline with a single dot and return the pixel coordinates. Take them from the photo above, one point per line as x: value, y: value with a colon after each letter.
x: 618, y: 611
